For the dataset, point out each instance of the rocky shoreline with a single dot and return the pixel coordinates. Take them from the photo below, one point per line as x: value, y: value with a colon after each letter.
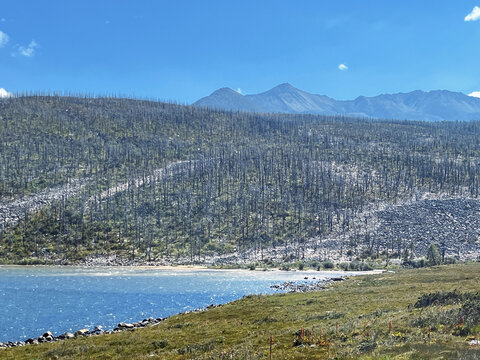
x: 47, y: 337
x: 97, y: 330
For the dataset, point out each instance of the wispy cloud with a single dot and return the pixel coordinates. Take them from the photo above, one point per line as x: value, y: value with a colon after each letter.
x: 4, y: 93
x: 475, y: 94
x: 3, y: 39
x: 342, y: 67
x: 474, y: 15
x: 239, y: 91
x: 27, y: 51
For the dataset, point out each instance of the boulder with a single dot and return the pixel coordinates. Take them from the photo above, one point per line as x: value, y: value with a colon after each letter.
x: 81, y: 332
x: 125, y: 326
x: 66, y: 335
x: 98, y: 330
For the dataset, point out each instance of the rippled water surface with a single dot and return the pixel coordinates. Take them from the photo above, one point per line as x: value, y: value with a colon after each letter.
x: 36, y: 299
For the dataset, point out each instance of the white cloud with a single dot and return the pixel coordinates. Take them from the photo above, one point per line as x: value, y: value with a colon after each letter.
x: 342, y: 67
x: 4, y: 93
x: 3, y: 39
x: 475, y: 94
x: 474, y: 15
x: 28, y: 51
x: 239, y: 91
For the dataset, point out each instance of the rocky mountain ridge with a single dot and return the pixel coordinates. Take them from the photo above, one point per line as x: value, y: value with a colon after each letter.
x: 437, y: 105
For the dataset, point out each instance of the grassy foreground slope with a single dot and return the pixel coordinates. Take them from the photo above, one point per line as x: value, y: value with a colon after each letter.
x: 375, y: 314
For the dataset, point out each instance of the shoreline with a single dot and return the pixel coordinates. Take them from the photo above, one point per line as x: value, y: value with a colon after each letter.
x: 295, y: 286
x: 202, y: 268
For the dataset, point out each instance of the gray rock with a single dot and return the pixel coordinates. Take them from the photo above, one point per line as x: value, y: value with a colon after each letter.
x: 123, y: 325
x: 81, y: 332
x: 66, y: 335
x: 97, y: 330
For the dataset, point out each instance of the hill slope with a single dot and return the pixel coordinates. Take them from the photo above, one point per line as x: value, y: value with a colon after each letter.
x: 416, y: 105
x: 127, y: 181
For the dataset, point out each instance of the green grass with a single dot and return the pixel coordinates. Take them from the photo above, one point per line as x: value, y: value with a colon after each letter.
x: 362, y: 308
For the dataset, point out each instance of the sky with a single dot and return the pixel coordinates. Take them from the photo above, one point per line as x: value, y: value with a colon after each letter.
x: 183, y: 50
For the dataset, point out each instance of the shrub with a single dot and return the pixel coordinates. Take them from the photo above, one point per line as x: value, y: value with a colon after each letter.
x: 415, y: 264
x: 356, y: 266
x: 159, y: 344
x: 465, y: 319
x: 367, y: 345
x: 443, y: 298
x: 450, y: 260
x: 470, y: 313
x: 328, y: 265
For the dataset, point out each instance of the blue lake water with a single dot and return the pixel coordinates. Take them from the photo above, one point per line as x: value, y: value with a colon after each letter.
x: 36, y: 299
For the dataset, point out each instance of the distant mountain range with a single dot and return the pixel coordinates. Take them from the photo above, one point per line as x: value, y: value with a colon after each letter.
x: 435, y: 105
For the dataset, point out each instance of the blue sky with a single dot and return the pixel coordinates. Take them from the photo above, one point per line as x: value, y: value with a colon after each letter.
x: 183, y: 50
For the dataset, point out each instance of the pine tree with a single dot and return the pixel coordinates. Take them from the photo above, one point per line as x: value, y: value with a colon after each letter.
x: 433, y: 255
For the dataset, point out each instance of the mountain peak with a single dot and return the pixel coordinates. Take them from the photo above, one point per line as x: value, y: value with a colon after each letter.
x: 226, y: 98
x: 226, y: 90
x: 285, y: 87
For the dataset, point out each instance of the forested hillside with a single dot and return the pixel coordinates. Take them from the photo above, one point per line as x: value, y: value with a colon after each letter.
x: 106, y: 177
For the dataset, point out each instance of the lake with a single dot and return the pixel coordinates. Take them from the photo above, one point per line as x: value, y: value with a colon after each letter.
x: 34, y: 300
